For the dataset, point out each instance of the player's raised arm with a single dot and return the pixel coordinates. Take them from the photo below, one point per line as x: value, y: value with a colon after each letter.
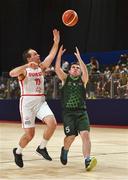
x: 59, y: 71
x: 18, y: 71
x: 21, y: 70
x: 48, y: 60
x: 82, y: 66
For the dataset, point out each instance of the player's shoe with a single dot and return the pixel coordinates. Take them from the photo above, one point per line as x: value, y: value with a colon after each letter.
x: 90, y: 163
x: 18, y: 158
x: 43, y: 152
x: 63, y: 156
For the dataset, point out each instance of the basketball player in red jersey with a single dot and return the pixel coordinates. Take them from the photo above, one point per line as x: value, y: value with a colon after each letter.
x: 32, y: 101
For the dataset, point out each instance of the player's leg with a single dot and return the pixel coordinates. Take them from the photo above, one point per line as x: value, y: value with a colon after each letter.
x: 25, y: 139
x: 47, y: 116
x: 84, y: 128
x: 68, y: 140
x: 48, y: 132
x: 70, y: 132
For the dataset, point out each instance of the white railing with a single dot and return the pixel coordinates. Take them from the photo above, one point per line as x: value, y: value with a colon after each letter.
x: 98, y: 87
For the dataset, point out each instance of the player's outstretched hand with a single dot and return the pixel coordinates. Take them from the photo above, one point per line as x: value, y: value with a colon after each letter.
x: 56, y: 36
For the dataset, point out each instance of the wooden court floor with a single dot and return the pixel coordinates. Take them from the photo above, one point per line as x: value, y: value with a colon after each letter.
x: 109, y: 145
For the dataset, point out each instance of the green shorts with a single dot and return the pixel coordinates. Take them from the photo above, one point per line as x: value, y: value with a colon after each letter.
x: 75, y: 121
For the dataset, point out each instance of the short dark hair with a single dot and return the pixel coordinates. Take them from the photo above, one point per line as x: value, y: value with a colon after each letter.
x: 72, y: 63
x: 26, y: 54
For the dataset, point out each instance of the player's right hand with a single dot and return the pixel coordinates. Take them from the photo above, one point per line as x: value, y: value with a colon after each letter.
x: 32, y: 65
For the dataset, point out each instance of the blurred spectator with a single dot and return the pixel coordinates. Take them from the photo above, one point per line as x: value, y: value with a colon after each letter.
x: 123, y: 60
x: 122, y: 86
x: 100, y: 93
x: 123, y: 69
x: 14, y: 88
x: 3, y: 88
x: 93, y: 65
x: 65, y: 66
x: 107, y: 73
x: 93, y: 70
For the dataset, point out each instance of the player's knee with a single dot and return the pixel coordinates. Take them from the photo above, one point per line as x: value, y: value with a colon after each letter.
x: 29, y: 136
x: 71, y: 137
x: 85, y: 135
x: 51, y: 122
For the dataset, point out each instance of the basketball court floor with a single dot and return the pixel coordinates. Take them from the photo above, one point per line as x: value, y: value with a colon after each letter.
x: 109, y: 145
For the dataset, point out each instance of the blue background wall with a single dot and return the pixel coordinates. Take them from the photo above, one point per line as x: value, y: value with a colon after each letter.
x: 104, y: 58
x: 101, y: 112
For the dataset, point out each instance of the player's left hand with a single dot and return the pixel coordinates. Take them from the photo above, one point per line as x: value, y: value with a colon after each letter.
x: 56, y: 36
x: 77, y: 54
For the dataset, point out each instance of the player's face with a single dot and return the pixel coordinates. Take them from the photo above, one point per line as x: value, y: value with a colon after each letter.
x: 75, y: 70
x: 35, y: 57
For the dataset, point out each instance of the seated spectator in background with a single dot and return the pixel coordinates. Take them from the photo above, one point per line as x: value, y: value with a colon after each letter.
x: 122, y: 86
x: 3, y: 88
x: 123, y: 69
x: 93, y: 70
x: 65, y: 66
x: 116, y: 70
x: 93, y: 65
x: 107, y: 73
x: 50, y: 71
x: 123, y: 59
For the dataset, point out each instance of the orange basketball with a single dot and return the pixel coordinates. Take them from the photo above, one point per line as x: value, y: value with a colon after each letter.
x: 70, y: 18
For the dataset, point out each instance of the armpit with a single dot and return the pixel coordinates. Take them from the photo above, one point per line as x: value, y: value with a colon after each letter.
x: 21, y: 77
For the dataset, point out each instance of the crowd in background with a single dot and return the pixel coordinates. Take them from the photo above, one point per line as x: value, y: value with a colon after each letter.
x: 108, y: 82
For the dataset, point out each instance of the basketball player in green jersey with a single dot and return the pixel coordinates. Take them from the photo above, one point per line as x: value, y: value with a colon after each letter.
x: 75, y: 117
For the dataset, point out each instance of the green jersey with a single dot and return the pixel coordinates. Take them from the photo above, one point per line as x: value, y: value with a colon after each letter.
x: 73, y: 94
